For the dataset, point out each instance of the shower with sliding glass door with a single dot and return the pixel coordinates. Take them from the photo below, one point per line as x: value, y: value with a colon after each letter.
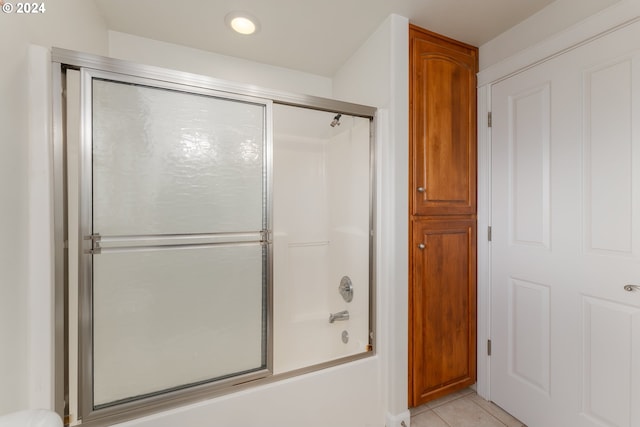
x: 218, y: 237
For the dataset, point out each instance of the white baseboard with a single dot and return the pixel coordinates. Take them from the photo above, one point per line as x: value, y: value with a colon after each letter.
x: 399, y: 420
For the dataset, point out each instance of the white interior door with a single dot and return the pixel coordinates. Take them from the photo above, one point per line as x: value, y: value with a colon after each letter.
x: 566, y: 237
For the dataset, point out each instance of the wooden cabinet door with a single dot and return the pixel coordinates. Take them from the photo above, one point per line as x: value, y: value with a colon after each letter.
x: 442, y: 95
x: 442, y: 348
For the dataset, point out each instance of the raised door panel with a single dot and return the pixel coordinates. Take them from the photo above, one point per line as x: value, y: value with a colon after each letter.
x: 565, y: 192
x: 443, y: 308
x: 443, y: 125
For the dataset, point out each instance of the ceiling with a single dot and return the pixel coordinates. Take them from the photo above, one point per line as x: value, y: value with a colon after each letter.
x: 315, y: 36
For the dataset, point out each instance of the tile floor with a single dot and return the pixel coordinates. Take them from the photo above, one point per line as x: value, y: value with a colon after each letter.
x: 462, y: 409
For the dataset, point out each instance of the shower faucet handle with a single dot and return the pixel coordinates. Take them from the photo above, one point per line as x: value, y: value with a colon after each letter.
x: 346, y: 289
x: 341, y: 315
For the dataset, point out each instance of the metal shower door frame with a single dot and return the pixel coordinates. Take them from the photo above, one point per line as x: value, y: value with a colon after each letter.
x: 87, y: 249
x: 93, y: 65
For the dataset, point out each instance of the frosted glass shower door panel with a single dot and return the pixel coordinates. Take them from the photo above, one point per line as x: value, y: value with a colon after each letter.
x: 170, y: 162
x: 167, y: 318
x: 176, y: 215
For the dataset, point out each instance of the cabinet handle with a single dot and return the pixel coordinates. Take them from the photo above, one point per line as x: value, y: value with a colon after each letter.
x: 420, y: 189
x: 632, y: 288
x: 421, y: 246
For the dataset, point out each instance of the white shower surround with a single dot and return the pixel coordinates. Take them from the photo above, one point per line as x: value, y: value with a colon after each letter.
x: 321, y: 233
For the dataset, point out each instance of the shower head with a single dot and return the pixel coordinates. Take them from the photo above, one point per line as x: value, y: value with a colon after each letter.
x: 336, y: 121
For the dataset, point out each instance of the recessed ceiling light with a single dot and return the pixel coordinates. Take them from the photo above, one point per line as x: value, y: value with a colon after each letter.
x: 242, y: 22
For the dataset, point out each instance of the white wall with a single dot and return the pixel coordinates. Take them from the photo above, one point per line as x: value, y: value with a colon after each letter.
x: 553, y: 19
x: 25, y: 335
x: 176, y: 57
x: 377, y: 75
x: 13, y: 216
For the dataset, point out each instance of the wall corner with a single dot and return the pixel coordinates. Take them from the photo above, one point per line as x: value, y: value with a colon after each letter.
x: 402, y: 419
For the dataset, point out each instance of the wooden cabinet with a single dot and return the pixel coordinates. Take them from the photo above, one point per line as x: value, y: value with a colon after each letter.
x: 442, y: 124
x: 443, y: 307
x: 442, y: 211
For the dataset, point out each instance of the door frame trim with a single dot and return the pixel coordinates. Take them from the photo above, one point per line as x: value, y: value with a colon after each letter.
x: 620, y: 15
x: 483, y: 246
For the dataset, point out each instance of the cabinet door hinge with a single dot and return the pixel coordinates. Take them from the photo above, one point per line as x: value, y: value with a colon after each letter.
x: 488, y: 347
x: 489, y: 233
x: 489, y: 119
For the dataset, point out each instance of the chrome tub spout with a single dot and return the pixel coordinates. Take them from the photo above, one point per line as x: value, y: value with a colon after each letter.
x: 341, y: 315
